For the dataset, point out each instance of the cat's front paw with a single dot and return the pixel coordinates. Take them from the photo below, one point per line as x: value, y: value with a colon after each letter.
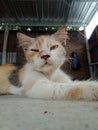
x: 91, y: 93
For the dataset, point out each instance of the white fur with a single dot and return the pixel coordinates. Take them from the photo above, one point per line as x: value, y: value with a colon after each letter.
x: 56, y: 88
x: 49, y: 81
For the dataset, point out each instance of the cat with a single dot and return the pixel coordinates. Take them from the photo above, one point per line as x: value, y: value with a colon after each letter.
x: 41, y: 77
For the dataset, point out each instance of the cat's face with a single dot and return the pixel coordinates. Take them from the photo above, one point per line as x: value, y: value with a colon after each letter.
x: 45, y: 53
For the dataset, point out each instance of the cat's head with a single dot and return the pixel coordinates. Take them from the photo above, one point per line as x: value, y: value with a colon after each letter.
x: 44, y: 53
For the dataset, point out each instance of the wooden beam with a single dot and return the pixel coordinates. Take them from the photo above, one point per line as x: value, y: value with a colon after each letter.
x: 6, y: 33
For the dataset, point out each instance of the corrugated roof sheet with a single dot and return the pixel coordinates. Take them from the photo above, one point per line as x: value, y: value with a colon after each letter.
x: 47, y: 12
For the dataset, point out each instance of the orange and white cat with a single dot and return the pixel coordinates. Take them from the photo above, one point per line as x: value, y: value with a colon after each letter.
x: 41, y: 76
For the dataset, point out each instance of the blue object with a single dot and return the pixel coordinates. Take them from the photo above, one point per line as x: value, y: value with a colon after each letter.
x: 75, y: 64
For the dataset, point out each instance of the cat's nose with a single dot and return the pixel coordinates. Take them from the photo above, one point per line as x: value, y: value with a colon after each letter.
x: 45, y: 57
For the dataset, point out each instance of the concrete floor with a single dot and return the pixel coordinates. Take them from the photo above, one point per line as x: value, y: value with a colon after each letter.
x: 21, y: 113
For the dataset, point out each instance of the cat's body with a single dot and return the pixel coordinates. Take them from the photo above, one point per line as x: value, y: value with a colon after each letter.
x: 41, y: 77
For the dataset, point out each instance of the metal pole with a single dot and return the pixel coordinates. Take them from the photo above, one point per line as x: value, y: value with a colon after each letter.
x: 87, y: 50
x: 6, y: 33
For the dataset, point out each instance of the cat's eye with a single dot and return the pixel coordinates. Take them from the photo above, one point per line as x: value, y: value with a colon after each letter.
x: 53, y: 47
x: 36, y: 50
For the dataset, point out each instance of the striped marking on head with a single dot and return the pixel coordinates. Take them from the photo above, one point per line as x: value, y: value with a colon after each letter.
x: 39, y: 42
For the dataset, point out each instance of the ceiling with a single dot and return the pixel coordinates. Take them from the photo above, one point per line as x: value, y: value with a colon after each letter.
x: 47, y: 12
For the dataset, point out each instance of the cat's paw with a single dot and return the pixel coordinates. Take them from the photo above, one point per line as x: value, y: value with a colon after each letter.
x: 91, y: 93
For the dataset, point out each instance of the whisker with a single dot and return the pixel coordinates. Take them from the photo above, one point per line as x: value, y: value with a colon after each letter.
x: 69, y: 59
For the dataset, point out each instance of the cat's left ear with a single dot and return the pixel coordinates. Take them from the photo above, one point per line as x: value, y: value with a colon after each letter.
x: 61, y: 35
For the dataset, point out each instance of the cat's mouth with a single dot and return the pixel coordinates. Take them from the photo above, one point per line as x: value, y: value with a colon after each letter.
x: 46, y: 64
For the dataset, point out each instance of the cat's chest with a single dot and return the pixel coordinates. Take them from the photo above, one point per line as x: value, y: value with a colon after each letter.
x: 32, y: 76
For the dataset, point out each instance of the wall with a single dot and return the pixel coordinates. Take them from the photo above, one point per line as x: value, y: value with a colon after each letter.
x: 77, y: 43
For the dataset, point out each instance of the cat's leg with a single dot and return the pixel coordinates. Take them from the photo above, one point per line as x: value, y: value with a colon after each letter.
x: 42, y: 89
x: 84, y: 90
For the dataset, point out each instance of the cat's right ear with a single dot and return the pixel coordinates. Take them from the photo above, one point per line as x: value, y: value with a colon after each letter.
x: 61, y: 35
x: 24, y: 41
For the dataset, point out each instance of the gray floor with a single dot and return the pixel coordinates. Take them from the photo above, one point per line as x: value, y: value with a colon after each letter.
x: 20, y: 113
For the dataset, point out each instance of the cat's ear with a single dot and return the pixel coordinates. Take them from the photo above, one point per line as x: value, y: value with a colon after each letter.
x: 24, y: 41
x: 61, y: 35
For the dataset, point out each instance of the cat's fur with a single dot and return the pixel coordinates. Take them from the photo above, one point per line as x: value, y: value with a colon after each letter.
x: 41, y: 77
